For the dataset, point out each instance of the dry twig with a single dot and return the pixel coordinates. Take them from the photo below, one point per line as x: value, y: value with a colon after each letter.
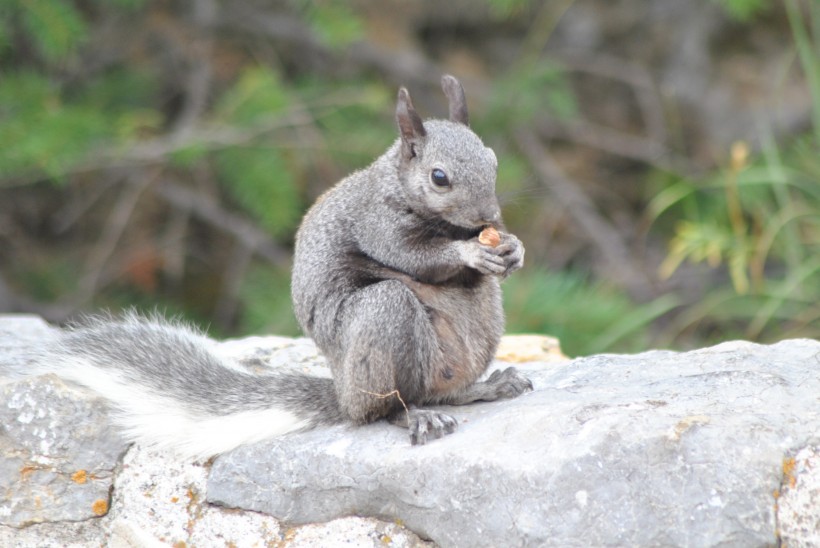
x: 384, y: 396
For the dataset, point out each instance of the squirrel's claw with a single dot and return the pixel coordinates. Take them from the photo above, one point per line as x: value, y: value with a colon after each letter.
x: 426, y: 424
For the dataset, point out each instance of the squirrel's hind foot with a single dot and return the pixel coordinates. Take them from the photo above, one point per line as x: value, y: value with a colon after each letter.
x: 424, y: 424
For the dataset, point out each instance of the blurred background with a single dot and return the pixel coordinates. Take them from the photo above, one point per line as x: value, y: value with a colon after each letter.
x: 658, y: 158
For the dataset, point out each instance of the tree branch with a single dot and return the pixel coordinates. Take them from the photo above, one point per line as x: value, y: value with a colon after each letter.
x: 599, y: 232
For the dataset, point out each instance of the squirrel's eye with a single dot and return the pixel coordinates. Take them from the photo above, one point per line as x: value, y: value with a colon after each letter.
x: 439, y: 178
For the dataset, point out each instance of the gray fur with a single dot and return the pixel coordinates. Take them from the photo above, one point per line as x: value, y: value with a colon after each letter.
x: 390, y: 281
x: 172, y: 359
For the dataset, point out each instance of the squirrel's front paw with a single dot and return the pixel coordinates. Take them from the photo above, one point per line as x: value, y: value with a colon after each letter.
x: 512, y: 251
x: 426, y: 424
x: 500, y: 260
x: 483, y: 258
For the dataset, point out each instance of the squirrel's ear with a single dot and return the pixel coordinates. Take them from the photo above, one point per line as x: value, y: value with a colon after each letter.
x: 455, y: 95
x: 410, y: 126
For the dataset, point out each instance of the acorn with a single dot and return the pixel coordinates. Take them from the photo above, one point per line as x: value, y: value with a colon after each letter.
x: 489, y: 236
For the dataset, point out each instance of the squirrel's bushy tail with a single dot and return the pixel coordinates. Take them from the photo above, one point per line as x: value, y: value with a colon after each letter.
x: 170, y: 390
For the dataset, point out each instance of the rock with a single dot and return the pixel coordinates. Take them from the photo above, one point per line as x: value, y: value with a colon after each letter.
x: 660, y: 448
x: 798, y: 499
x: 717, y: 446
x: 161, y: 497
x: 57, y: 452
x: 18, y: 333
x: 60, y: 462
x: 529, y: 348
x: 159, y: 501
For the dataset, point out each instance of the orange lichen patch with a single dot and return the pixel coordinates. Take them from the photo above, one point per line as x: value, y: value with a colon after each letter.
x: 788, y: 471
x: 489, y: 236
x: 180, y: 544
x: 99, y: 507
x: 80, y: 476
x: 788, y: 466
x: 687, y: 423
x: 27, y: 470
x: 174, y: 499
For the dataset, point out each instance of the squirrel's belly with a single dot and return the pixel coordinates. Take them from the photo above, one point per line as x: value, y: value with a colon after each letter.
x: 468, y: 324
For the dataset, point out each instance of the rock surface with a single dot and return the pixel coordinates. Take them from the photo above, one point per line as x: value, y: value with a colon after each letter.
x: 712, y: 447
x: 660, y: 448
x: 57, y: 453
x: 798, y: 499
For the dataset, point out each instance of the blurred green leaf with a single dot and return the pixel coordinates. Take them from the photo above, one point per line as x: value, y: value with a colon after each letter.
x: 128, y: 4
x: 5, y: 31
x: 506, y: 8
x: 65, y: 133
x: 586, y: 316
x: 335, y: 22
x: 527, y: 91
x: 260, y: 180
x: 119, y: 91
x: 55, y: 25
x: 743, y: 10
x: 267, y: 307
x: 258, y: 94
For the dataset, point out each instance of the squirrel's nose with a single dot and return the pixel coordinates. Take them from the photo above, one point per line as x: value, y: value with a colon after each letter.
x: 491, y: 215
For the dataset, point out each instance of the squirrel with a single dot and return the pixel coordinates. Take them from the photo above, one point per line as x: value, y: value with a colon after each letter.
x: 389, y: 279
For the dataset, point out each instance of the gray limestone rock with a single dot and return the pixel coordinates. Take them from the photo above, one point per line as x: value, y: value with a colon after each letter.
x: 661, y: 448
x: 798, y: 500
x: 712, y: 447
x: 58, y: 452
x: 64, y: 481
x: 19, y: 334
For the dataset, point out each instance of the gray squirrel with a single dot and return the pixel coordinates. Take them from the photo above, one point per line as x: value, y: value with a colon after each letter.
x: 389, y: 279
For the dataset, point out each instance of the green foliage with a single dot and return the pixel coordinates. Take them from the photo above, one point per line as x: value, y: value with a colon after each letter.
x: 56, y: 27
x: 65, y: 134
x: 119, y: 91
x: 334, y: 21
x: 763, y: 222
x: 257, y: 176
x: 760, y: 217
x: 266, y: 294
x: 46, y: 278
x: 256, y: 96
x: 587, y: 317
x: 271, y: 135
x: 768, y: 240
x: 525, y: 91
x: 512, y: 171
x: 807, y: 52
x: 374, y: 133
x: 743, y: 10
x: 260, y: 180
x: 506, y: 8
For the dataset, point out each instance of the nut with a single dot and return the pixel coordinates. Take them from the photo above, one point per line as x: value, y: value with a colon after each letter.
x: 489, y: 236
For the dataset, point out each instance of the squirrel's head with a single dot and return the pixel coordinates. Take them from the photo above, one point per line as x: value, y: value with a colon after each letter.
x: 446, y: 170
